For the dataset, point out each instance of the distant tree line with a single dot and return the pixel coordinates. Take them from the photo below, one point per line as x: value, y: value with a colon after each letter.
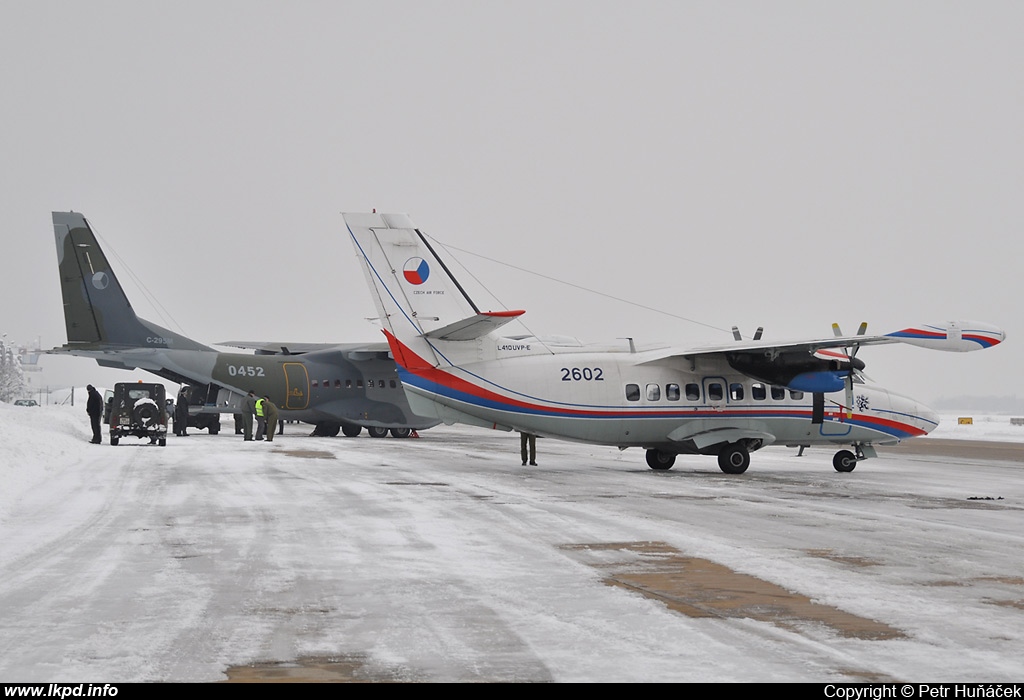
x: 12, y: 378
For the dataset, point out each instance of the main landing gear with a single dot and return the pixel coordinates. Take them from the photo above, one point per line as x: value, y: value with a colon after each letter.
x: 734, y: 458
x: 659, y: 460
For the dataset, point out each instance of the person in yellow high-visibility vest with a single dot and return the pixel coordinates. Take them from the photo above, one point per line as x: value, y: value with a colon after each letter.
x: 261, y: 420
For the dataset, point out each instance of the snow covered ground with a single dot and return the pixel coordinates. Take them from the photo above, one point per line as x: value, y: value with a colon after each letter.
x: 442, y: 559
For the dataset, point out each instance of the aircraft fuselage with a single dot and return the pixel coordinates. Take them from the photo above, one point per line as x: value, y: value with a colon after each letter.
x: 327, y: 385
x: 623, y: 399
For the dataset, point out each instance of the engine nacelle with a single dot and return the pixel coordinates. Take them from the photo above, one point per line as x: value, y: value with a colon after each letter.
x: 818, y: 382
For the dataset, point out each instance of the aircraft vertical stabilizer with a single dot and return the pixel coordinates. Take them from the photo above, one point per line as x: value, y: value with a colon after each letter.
x: 417, y: 298
x: 97, y: 312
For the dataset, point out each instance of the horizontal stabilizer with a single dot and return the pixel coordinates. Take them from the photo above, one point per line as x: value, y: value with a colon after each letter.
x: 475, y: 326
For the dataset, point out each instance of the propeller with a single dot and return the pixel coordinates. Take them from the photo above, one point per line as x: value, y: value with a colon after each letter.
x: 736, y: 335
x: 850, y: 354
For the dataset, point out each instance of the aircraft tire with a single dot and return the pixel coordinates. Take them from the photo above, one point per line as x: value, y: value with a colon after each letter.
x: 733, y: 459
x: 377, y: 432
x: 844, y: 461
x: 351, y: 430
x: 659, y: 460
x: 401, y: 432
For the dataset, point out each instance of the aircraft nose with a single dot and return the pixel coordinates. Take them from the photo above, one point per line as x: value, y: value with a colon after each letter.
x: 929, y: 418
x: 914, y: 412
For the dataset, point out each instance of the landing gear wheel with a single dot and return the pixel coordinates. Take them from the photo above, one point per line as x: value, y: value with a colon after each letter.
x: 659, y: 460
x: 844, y: 461
x: 733, y: 459
x: 400, y: 432
x: 377, y: 432
x: 351, y: 430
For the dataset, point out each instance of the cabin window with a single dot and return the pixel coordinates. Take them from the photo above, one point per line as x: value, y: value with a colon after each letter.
x: 736, y: 391
x: 380, y: 383
x: 314, y: 383
x: 359, y: 384
x: 715, y: 392
x: 393, y: 384
x: 672, y: 392
x: 796, y: 395
x: 778, y: 393
x: 337, y: 383
x: 758, y: 392
x: 653, y: 392
x: 632, y: 392
x: 693, y: 392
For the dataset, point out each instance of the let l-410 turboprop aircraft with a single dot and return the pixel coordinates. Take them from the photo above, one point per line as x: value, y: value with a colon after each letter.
x: 336, y: 387
x: 725, y: 400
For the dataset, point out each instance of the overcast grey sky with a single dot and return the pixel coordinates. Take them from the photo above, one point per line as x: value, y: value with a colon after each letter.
x: 786, y: 164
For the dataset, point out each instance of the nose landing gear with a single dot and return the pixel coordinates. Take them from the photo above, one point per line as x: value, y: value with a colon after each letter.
x: 846, y: 461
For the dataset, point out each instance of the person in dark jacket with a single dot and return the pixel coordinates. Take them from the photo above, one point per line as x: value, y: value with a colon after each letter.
x: 248, y: 409
x: 270, y: 414
x: 94, y: 407
x: 181, y: 412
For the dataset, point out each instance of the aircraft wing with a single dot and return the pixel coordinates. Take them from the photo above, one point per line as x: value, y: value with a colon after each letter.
x: 951, y: 336
x: 825, y: 365
x: 289, y: 348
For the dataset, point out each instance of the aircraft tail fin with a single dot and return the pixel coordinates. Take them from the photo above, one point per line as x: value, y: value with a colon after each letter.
x: 97, y: 313
x: 417, y: 297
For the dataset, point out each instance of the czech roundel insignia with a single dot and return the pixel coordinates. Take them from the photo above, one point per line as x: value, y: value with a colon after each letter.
x: 416, y: 271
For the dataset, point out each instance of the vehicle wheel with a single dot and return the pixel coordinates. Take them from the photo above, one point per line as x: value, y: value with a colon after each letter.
x: 660, y: 460
x: 734, y: 459
x: 401, y: 432
x: 844, y: 461
x: 351, y: 430
x: 162, y: 442
x: 377, y: 432
x: 114, y: 440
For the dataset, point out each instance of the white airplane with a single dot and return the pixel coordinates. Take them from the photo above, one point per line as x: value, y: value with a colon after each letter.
x: 726, y: 400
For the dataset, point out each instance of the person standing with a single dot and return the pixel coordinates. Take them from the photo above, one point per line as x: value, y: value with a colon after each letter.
x: 248, y: 409
x: 528, y: 444
x: 270, y: 415
x: 261, y: 420
x: 181, y: 412
x: 94, y: 407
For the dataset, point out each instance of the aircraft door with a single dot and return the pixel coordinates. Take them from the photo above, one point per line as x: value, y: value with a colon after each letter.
x: 296, y: 384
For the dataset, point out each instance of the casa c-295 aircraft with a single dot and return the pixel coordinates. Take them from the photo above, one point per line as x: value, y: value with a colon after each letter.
x: 726, y: 400
x: 336, y: 387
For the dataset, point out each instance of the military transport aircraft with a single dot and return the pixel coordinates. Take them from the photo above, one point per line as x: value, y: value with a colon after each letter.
x: 337, y: 387
x: 726, y: 400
